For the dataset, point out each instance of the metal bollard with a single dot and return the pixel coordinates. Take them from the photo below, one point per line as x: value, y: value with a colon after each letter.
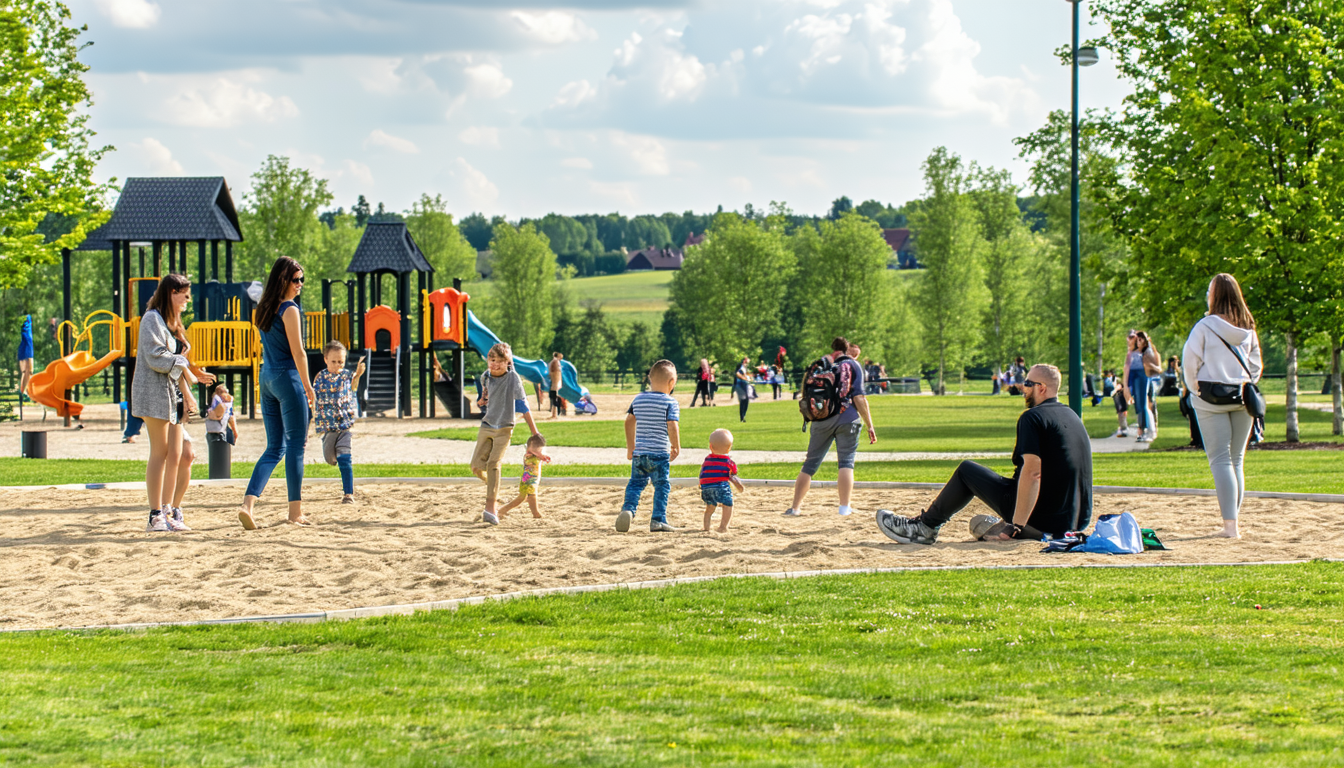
x: 221, y: 459
x: 34, y: 445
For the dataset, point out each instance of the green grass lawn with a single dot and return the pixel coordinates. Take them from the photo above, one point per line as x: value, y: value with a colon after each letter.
x: 627, y: 298
x: 1162, y: 667
x: 955, y: 424
x: 1285, y: 471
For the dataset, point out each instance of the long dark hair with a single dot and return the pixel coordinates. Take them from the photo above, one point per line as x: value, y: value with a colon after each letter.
x: 282, y: 272
x: 162, y: 300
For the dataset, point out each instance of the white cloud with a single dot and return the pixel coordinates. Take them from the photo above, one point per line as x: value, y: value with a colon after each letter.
x: 582, y: 163
x: 130, y: 14
x: 740, y: 183
x: 225, y: 103
x: 381, y: 76
x: 479, y: 136
x: 381, y: 138
x: 481, y: 193
x: 683, y: 76
x: 156, y: 158
x: 488, y: 80
x: 648, y: 154
x: 359, y: 172
x: 553, y: 27
x: 574, y: 94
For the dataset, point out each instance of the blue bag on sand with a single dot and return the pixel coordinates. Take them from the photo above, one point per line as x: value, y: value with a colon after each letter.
x: 1114, y: 535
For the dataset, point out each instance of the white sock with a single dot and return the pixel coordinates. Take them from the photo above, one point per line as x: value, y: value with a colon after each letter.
x: 845, y: 509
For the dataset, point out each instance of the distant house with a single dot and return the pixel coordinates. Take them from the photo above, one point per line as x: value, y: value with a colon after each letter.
x: 902, y: 244
x: 693, y: 239
x: 653, y: 258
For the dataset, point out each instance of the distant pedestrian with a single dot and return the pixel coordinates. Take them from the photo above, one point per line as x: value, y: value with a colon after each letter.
x: 742, y: 388
x: 703, y: 377
x: 1222, y: 356
x: 555, y: 372
x: 25, y: 353
x: 1140, y: 360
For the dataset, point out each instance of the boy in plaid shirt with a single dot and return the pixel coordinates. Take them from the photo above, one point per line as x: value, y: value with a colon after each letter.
x: 335, y: 412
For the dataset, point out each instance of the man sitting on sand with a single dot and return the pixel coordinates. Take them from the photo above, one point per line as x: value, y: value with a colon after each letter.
x: 1050, y: 492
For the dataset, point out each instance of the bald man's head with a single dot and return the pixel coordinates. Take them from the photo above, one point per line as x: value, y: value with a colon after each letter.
x: 1047, y: 375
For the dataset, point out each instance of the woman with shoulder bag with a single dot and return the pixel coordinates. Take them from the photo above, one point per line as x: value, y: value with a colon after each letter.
x: 1152, y: 368
x: 1221, y: 364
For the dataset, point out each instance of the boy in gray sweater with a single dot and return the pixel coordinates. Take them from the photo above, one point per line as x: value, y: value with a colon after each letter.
x: 502, y: 395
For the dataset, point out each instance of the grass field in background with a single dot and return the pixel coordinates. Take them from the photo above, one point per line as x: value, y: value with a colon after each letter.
x: 1284, y: 471
x: 1163, y: 667
x: 627, y: 298
x: 943, y: 424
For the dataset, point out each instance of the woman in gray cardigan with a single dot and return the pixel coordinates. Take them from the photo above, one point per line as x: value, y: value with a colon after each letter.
x: 161, y: 395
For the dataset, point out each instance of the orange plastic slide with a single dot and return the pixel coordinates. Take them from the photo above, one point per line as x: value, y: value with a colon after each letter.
x: 49, y: 386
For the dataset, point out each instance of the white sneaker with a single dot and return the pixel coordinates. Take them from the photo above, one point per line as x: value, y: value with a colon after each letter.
x: 845, y: 511
x: 792, y: 513
x: 490, y: 517
x: 158, y: 523
x: 175, y: 521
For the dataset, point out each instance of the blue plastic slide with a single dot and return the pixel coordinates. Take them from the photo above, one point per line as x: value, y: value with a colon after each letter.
x: 482, y: 339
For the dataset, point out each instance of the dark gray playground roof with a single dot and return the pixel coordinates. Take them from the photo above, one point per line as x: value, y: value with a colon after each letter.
x: 169, y: 208
x: 388, y: 247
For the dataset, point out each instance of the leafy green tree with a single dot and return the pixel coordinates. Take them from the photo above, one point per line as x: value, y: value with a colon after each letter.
x: 1236, y: 157
x: 442, y: 242
x: 336, y: 244
x: 949, y: 292
x: 521, y: 306
x: 362, y: 212
x: 1008, y: 253
x: 478, y: 230
x: 46, y: 161
x: 593, y: 344
x: 638, y: 350
x: 839, y: 207
x: 847, y: 291
x: 279, y: 216
x: 728, y: 293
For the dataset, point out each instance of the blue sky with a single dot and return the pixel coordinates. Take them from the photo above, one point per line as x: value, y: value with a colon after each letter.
x: 530, y: 107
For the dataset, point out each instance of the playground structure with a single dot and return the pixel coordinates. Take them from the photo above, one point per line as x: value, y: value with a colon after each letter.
x: 155, y: 216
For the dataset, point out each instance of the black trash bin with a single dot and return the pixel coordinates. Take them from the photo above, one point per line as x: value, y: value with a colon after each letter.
x: 221, y: 459
x: 34, y: 445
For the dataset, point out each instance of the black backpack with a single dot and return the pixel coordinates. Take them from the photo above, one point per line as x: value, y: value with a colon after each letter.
x: 825, y: 385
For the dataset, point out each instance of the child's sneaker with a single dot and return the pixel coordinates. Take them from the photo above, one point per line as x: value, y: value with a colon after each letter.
x: 657, y: 526
x: 792, y: 513
x: 348, y: 499
x: 158, y: 523
x: 844, y: 511
x: 623, y: 521
x: 175, y: 521
x: 490, y: 517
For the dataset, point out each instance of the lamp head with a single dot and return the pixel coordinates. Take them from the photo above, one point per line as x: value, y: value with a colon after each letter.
x: 1087, y: 56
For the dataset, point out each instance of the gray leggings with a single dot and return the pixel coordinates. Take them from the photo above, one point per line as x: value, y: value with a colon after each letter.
x: 1225, y: 436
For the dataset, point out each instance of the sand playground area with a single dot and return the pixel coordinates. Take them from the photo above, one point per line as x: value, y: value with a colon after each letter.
x: 76, y: 558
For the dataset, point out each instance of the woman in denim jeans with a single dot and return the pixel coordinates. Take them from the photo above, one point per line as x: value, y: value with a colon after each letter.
x: 286, y: 390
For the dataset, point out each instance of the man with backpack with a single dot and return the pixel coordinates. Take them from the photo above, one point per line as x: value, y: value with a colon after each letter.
x: 832, y: 403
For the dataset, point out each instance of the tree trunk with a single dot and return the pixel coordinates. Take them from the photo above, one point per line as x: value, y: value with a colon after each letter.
x: 942, y: 366
x: 1337, y: 389
x: 1290, y: 384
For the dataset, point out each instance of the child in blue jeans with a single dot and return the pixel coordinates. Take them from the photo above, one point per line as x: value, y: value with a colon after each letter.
x: 652, y: 441
x: 335, y: 413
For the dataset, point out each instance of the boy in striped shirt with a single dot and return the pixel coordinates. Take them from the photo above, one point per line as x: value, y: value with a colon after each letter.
x: 652, y: 441
x: 716, y: 474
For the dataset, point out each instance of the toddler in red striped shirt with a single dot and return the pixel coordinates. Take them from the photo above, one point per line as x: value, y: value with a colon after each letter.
x: 717, y: 474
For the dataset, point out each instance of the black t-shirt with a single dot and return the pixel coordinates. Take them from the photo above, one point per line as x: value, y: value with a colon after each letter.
x: 1054, y: 432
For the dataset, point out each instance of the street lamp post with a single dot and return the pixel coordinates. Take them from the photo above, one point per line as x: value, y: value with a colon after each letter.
x: 1080, y: 57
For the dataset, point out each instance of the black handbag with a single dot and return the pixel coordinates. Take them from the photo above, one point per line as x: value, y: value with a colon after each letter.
x: 1250, y: 395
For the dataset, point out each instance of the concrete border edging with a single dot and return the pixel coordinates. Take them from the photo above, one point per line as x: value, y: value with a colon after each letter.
x: 1323, y: 498
x: 406, y: 609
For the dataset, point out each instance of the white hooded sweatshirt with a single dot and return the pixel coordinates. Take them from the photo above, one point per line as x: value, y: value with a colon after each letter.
x: 1206, y: 358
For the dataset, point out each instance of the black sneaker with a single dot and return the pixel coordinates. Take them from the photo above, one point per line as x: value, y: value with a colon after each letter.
x: 905, y: 530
